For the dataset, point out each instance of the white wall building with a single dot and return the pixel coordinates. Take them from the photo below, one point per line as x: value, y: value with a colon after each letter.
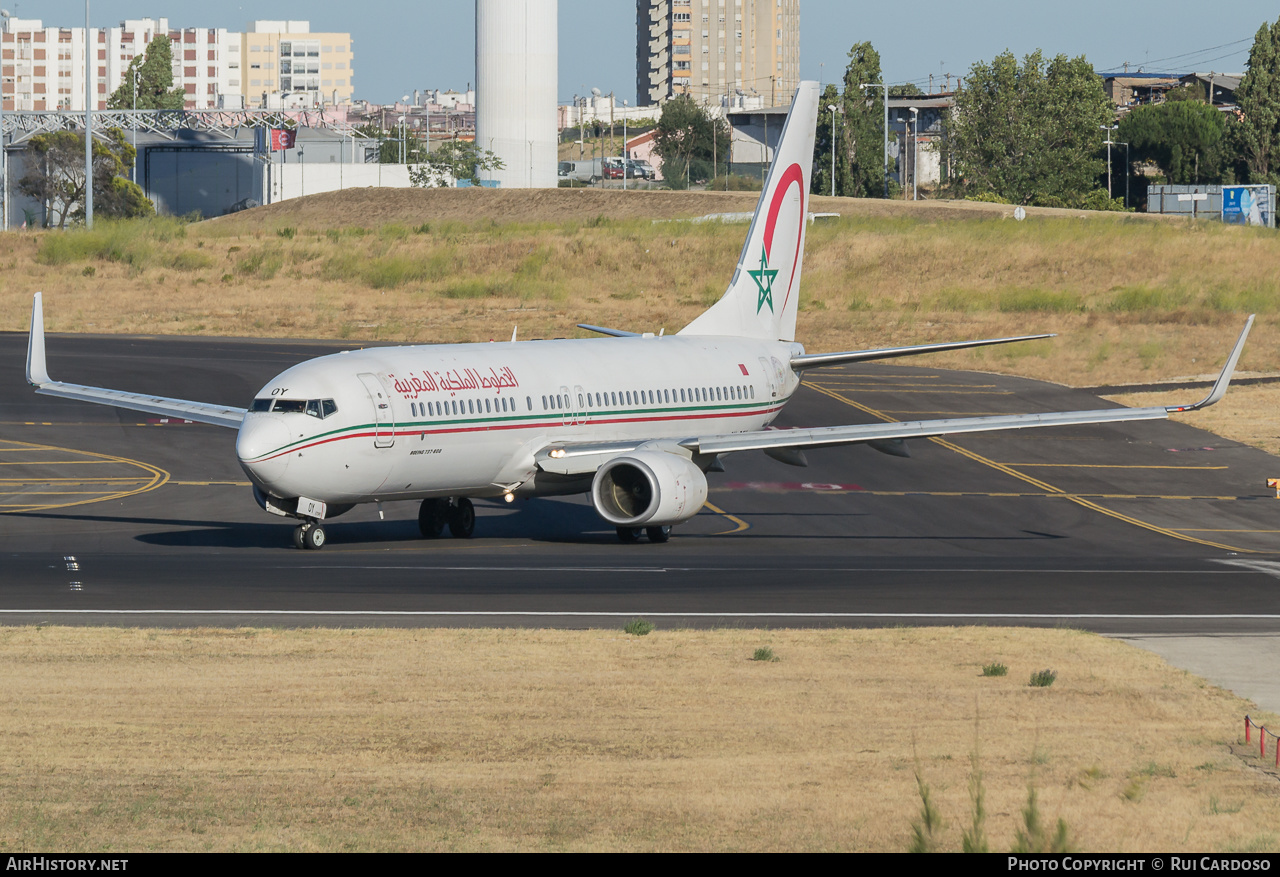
x: 44, y: 67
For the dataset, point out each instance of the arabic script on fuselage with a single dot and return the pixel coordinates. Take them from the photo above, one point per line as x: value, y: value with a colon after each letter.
x: 454, y: 381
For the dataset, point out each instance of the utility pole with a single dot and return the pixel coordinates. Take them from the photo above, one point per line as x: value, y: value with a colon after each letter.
x: 4, y: 155
x: 88, y: 123
x: 1108, y: 129
x: 832, y: 107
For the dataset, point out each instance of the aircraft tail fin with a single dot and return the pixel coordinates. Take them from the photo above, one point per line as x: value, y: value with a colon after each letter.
x: 762, y: 298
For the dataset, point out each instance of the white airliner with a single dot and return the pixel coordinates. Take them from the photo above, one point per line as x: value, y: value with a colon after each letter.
x: 635, y: 420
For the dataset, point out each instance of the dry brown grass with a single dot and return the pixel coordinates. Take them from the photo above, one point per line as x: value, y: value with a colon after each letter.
x: 589, y: 740
x: 1135, y: 298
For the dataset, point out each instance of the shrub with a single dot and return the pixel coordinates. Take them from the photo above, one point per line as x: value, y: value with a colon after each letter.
x: 638, y: 627
x: 288, y: 233
x: 1043, y: 678
x: 764, y: 653
x: 996, y: 669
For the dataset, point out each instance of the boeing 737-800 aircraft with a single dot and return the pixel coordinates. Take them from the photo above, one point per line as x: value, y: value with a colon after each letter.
x: 635, y: 420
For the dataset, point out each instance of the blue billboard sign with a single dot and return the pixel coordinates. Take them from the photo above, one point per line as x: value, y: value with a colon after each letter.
x: 1248, y: 205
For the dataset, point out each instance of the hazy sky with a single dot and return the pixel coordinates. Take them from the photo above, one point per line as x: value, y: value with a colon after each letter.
x: 399, y: 47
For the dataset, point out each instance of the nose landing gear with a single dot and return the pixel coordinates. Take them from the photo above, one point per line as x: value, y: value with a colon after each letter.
x: 309, y: 535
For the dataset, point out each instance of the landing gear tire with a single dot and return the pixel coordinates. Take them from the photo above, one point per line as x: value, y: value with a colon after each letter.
x: 313, y: 538
x: 629, y: 535
x: 309, y: 536
x: 462, y: 519
x: 658, y: 534
x: 432, y: 515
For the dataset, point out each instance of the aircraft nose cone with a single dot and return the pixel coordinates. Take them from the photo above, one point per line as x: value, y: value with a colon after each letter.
x: 259, y: 445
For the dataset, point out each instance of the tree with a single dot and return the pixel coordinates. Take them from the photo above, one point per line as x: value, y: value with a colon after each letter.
x: 863, y: 133
x: 690, y: 142
x: 1258, y: 132
x: 457, y: 160
x: 155, y: 88
x: 1185, y: 138
x: 1029, y: 134
x: 823, y: 145
x: 56, y: 177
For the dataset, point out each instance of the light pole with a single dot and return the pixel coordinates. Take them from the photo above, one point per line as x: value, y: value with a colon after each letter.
x: 1108, y: 129
x: 593, y: 160
x: 4, y: 156
x: 88, y: 124
x: 402, y: 149
x: 886, y: 130
x: 302, y: 175
x: 915, y: 149
x: 625, y: 105
x: 1126, y: 173
x: 137, y: 77
x: 832, y: 107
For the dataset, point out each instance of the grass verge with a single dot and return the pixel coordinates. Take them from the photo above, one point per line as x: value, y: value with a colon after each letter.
x: 591, y: 740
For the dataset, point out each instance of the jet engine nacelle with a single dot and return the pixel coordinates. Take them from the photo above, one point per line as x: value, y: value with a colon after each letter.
x: 648, y: 489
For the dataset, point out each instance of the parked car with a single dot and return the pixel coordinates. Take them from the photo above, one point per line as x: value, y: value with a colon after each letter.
x: 646, y: 170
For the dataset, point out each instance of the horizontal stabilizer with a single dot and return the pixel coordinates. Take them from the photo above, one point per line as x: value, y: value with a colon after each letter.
x: 616, y: 333
x: 817, y: 360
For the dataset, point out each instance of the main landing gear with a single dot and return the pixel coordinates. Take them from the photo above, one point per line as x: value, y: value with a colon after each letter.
x: 631, y: 535
x: 308, y: 535
x: 458, y: 513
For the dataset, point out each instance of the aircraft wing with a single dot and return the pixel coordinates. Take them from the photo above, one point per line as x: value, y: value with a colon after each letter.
x: 583, y: 457
x: 817, y: 360
x: 845, y: 435
x: 38, y: 377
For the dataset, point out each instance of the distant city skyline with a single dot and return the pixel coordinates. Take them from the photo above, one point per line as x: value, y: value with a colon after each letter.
x: 432, y: 45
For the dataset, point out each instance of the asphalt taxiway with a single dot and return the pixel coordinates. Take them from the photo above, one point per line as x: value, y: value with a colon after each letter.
x: 1152, y: 528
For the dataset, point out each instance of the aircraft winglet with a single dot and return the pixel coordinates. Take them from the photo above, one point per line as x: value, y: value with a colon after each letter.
x: 37, y: 372
x: 1220, y: 385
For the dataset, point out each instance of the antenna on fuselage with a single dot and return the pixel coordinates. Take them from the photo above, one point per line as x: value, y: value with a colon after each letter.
x: 513, y: 332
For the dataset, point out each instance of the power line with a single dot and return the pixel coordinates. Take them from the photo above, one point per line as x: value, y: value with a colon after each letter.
x: 1120, y: 66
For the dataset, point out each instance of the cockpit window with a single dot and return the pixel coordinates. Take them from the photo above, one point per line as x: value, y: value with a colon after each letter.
x: 313, y: 408
x: 327, y: 407
x: 290, y: 406
x: 261, y: 405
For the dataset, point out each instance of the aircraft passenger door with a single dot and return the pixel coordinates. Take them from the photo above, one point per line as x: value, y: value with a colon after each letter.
x: 768, y: 376
x: 566, y: 407
x: 384, y: 418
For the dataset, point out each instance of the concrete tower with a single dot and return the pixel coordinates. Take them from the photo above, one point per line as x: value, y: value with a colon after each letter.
x: 516, y: 82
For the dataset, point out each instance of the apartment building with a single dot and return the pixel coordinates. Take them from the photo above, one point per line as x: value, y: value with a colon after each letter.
x: 715, y: 50
x: 43, y: 68
x: 285, y: 57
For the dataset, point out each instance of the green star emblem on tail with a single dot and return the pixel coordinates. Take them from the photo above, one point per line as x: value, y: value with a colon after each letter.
x: 764, y: 281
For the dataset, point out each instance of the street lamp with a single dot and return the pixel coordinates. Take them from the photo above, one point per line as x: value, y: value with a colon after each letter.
x: 1108, y: 129
x: 137, y: 78
x: 625, y: 105
x: 832, y: 107
x: 915, y: 150
x: 88, y: 124
x: 4, y: 156
x: 886, y: 130
x: 593, y: 159
x: 1126, y: 173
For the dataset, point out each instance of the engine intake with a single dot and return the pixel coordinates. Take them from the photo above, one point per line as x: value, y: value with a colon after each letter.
x: 648, y: 488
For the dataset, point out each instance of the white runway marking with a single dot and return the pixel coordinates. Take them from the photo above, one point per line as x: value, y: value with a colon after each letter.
x: 463, y: 613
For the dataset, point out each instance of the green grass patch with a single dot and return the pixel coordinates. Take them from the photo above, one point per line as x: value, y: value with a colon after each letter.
x: 1043, y: 300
